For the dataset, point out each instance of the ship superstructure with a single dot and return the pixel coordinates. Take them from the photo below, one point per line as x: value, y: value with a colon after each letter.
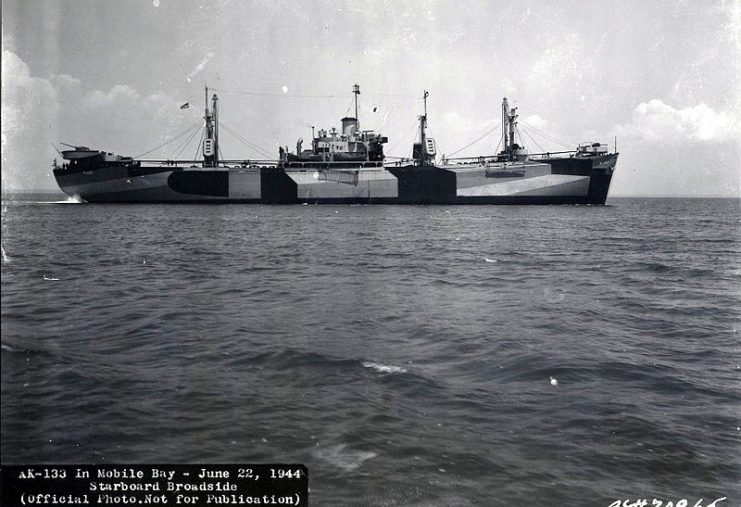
x: 333, y: 147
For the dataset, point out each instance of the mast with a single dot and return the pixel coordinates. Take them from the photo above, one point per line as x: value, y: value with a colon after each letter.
x: 356, y: 91
x: 422, y: 132
x: 509, y: 125
x: 215, y: 109
x: 211, y: 142
x: 512, y: 128
x: 505, y: 124
x: 205, y: 100
x: 423, y: 152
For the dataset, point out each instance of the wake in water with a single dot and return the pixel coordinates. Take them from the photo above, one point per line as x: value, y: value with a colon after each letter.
x: 75, y: 199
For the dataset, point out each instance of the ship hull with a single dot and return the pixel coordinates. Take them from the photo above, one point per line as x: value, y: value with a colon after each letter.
x: 553, y: 181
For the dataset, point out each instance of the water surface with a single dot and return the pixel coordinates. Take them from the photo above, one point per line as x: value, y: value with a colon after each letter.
x: 403, y: 353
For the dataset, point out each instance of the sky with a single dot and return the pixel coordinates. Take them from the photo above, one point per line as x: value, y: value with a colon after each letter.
x: 660, y: 78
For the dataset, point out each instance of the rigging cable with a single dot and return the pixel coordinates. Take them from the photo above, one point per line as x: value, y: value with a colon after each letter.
x: 200, y: 143
x: 244, y: 141
x: 261, y: 94
x: 185, y: 143
x: 186, y: 131
x: 496, y: 150
x: 543, y: 134
x: 309, y: 96
x: 404, y: 136
x: 529, y: 137
x: 476, y: 141
x: 232, y: 132
x: 347, y: 111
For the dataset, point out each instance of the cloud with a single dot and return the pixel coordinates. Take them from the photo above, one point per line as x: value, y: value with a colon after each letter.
x: 65, y: 82
x: 37, y: 112
x: 116, y: 96
x: 29, y: 111
x: 656, y: 121
x: 536, y: 121
x: 692, y: 151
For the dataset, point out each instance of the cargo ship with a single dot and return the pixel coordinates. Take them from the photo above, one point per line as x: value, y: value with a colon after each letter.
x: 345, y: 166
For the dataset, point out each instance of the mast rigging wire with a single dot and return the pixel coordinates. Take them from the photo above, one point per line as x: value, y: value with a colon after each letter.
x: 529, y: 137
x: 347, y: 111
x: 404, y: 136
x: 199, y: 144
x: 496, y: 150
x: 546, y: 136
x: 261, y: 94
x: 185, y: 143
x: 477, y: 140
x: 186, y: 131
x: 232, y: 132
x: 308, y: 96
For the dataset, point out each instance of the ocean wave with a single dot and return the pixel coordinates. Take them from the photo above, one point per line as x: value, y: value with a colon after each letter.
x: 381, y: 358
x: 343, y: 457
x: 8, y: 348
x: 383, y: 368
